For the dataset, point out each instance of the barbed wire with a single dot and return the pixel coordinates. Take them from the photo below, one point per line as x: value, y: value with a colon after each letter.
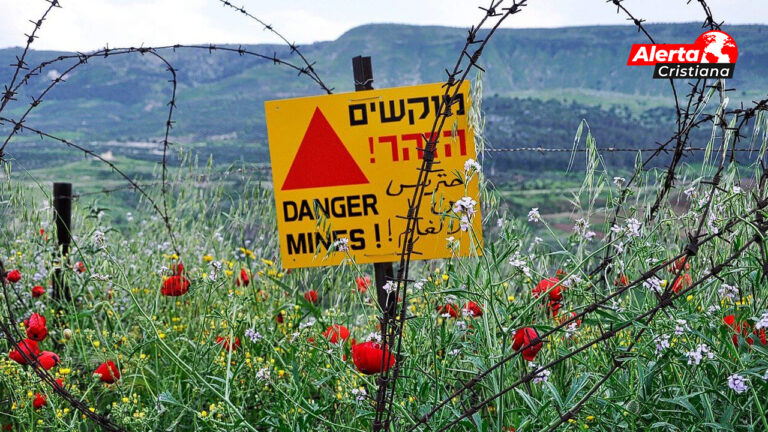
x: 310, y: 67
x: 8, y: 93
x: 598, y: 149
x: 691, y: 248
x: 665, y: 299
x: 8, y: 329
x: 392, y: 325
x: 80, y: 59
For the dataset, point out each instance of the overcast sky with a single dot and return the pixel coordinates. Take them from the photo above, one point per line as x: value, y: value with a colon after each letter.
x: 90, y: 24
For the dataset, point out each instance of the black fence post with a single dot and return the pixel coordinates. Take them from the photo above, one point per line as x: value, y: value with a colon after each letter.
x: 383, y: 272
x: 62, y: 215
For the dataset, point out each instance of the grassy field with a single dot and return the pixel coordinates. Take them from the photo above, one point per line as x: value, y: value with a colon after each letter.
x: 286, y: 374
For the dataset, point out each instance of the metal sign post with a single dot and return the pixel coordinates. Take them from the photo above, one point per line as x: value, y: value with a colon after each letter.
x: 62, y: 214
x: 383, y: 272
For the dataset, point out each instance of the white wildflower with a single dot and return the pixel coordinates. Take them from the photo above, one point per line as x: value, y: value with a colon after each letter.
x: 471, y: 165
x: 464, y: 223
x: 681, y: 327
x: 662, y: 343
x: 342, y: 244
x: 738, y: 383
x: 253, y: 335
x: 702, y: 350
x: 711, y: 218
x: 728, y: 291
x: 542, y: 376
x: 619, y: 247
x: 534, y: 215
x: 571, y: 329
x: 633, y: 227
x: 465, y: 205
x: 517, y: 262
x: 308, y: 323
x: 263, y: 374
x: 99, y: 238
x: 572, y: 280
x: 359, y: 393
x: 763, y: 322
x: 653, y: 283
x: 389, y: 287
x: 619, y: 181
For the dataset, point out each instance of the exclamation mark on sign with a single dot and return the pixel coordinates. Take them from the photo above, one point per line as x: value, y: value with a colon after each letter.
x: 370, y: 147
x: 389, y: 225
x: 378, y: 235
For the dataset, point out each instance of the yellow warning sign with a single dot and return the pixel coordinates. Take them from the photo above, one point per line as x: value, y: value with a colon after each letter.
x: 345, y: 166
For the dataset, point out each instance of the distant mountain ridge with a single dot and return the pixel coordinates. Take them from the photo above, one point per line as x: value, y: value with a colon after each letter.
x: 220, y: 95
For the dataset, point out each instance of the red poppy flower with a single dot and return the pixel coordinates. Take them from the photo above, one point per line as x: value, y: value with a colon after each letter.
x: 336, y: 333
x: 243, y: 280
x: 621, y: 281
x: 568, y: 316
x: 551, y: 285
x: 560, y: 273
x: 36, y: 329
x: 38, y: 291
x: 175, y: 285
x: 744, y: 328
x: 279, y: 318
x: 363, y: 283
x: 524, y: 337
x: 449, y: 309
x: 13, y: 276
x: 681, y: 282
x: 368, y: 358
x: 48, y: 360
x: 224, y: 342
x: 79, y: 267
x: 108, y: 372
x: 472, y: 309
x: 311, y: 296
x: 554, y: 307
x: 680, y: 264
x: 28, y: 348
x: 39, y: 401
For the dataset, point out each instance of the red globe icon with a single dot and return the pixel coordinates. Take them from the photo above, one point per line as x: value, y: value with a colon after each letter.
x: 717, y: 47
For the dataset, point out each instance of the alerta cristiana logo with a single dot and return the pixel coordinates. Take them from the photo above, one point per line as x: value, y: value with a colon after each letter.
x: 713, y: 55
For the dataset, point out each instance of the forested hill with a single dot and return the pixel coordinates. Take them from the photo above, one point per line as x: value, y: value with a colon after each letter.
x: 581, y: 72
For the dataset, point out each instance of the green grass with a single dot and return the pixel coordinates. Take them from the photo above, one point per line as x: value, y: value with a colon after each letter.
x: 175, y: 376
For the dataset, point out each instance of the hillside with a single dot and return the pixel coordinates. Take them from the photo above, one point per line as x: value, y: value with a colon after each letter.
x: 581, y: 72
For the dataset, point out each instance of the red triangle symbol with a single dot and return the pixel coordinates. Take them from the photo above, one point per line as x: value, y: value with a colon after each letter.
x: 322, y: 159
